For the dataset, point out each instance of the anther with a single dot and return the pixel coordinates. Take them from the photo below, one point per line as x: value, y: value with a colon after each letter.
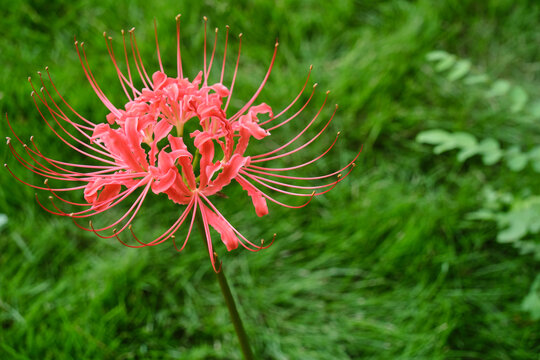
x: 311, y: 67
x: 240, y: 35
x: 173, y: 237
x: 132, y: 30
x: 315, y: 85
x: 5, y: 165
x: 32, y: 138
x: 110, y: 38
x: 82, y: 44
x: 90, y: 223
x: 46, y: 68
x: 32, y: 93
x: 46, y: 181
x: 104, y: 34
x: 29, y: 79
x: 339, y: 133
x: 327, y: 92
x: 130, y: 227
x: 177, y: 18
x: 337, y: 106
x: 76, y: 42
x: 41, y: 89
x: 216, y: 30
x: 227, y: 27
x: 205, y: 18
x: 24, y: 146
x: 8, y: 140
x: 70, y: 214
x: 353, y: 164
x: 39, y: 73
x: 339, y: 176
x: 122, y: 31
x: 114, y: 231
x: 50, y: 197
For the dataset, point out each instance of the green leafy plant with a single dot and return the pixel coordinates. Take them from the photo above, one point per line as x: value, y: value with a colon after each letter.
x: 516, y: 212
x: 489, y: 149
x: 461, y: 70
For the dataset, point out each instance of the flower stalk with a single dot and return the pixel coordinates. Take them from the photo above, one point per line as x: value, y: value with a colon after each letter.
x: 229, y: 300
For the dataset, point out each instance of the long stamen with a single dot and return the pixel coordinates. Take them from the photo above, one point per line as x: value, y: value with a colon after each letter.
x: 43, y: 171
x: 77, y: 140
x: 224, y: 54
x: 204, y: 51
x: 257, y: 248
x: 68, y: 143
x: 235, y: 72
x: 121, y: 77
x: 65, y: 102
x: 254, y: 97
x: 212, y: 57
x: 54, y: 115
x: 297, y: 166
x: 49, y: 173
x: 54, y: 162
x: 135, y: 91
x: 295, y: 114
x: 207, y: 234
x: 95, y: 205
x: 189, y: 229
x: 293, y: 102
x: 157, y: 48
x: 302, y: 146
x: 166, y: 235
x: 134, y: 42
x: 118, y: 199
x: 40, y: 187
x: 178, y: 53
x: 60, y: 112
x: 257, y: 157
x: 331, y: 185
x: 145, y: 84
x: 92, y: 81
x: 266, y: 196
x: 137, y: 205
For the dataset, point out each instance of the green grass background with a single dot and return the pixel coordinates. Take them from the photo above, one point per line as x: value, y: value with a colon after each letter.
x: 385, y: 266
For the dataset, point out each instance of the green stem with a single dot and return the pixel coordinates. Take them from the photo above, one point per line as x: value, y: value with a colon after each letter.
x: 196, y: 159
x: 229, y: 300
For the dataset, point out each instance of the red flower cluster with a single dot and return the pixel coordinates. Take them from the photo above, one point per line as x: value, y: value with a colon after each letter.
x: 145, y: 146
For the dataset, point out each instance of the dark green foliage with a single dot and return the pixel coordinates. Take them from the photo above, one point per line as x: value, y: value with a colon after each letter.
x: 386, y: 266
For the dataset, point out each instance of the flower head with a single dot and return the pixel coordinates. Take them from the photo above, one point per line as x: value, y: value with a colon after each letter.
x: 144, y: 146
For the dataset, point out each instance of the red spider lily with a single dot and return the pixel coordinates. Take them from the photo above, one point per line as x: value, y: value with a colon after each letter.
x: 143, y: 147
